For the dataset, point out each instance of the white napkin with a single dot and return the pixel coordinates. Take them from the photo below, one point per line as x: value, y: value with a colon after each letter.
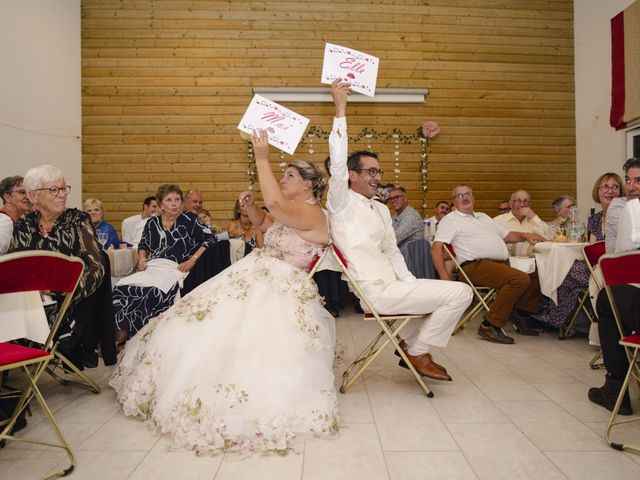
x: 160, y: 273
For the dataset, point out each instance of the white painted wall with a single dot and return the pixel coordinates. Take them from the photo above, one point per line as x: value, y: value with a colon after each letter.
x: 40, y: 100
x: 599, y: 148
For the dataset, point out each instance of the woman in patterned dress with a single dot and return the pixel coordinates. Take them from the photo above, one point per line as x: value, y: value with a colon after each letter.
x: 172, y: 235
x: 52, y: 226
x: 244, y: 362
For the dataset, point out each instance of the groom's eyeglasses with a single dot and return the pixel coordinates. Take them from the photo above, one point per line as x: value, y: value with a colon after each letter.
x: 371, y: 171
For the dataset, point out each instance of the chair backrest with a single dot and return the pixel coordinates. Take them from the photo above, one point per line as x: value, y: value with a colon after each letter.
x: 593, y: 252
x: 317, y: 262
x: 355, y: 286
x: 620, y: 268
x: 37, y: 270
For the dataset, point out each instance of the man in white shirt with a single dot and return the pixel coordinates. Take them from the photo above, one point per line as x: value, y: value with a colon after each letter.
x: 131, y: 226
x: 632, y: 186
x: 627, y: 299
x: 520, y: 218
x: 361, y: 228
x: 407, y: 223
x: 479, y: 245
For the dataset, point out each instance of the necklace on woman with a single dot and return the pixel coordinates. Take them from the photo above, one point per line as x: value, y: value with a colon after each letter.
x: 45, y: 231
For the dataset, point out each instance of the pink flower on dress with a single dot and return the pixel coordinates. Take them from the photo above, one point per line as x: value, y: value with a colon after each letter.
x: 430, y: 129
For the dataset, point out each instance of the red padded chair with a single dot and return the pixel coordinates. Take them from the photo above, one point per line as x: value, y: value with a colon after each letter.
x: 27, y: 272
x: 621, y: 269
x: 389, y: 333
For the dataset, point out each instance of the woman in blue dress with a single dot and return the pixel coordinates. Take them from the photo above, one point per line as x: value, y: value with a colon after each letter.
x: 95, y: 209
x: 173, y: 236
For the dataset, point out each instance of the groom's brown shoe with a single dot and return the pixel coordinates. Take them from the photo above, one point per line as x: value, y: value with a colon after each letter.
x: 424, y: 364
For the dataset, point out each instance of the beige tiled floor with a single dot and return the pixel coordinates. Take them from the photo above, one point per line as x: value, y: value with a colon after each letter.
x: 513, y: 411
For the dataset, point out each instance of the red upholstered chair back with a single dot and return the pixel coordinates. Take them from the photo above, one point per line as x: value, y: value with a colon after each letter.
x: 593, y: 252
x: 340, y: 255
x: 450, y: 247
x: 37, y: 270
x: 621, y: 268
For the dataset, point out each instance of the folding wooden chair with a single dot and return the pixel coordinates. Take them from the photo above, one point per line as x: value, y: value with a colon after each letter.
x: 389, y: 333
x: 483, y: 295
x: 37, y: 271
x: 591, y: 254
x: 620, y: 269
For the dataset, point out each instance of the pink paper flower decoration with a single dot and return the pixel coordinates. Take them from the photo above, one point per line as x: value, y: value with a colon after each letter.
x: 430, y: 129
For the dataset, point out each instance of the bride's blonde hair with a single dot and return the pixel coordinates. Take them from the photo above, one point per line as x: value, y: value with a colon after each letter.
x: 310, y: 171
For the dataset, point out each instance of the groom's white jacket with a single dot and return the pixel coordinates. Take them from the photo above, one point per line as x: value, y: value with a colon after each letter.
x: 361, y: 227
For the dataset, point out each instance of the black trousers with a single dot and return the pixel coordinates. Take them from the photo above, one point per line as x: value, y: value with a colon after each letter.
x: 627, y: 298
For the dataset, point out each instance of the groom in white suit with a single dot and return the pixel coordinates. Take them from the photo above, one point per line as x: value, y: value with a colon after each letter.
x: 361, y: 227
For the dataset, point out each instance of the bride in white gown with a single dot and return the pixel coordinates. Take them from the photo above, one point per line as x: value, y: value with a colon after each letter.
x: 244, y: 362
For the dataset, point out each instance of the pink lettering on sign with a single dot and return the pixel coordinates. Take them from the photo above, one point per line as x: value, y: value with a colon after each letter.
x: 353, y: 65
x: 275, y: 119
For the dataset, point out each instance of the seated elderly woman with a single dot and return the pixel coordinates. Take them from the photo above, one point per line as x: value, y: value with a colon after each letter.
x: 574, y: 284
x: 14, y: 203
x: 105, y: 232
x: 241, y: 227
x: 607, y: 187
x: 53, y: 226
x: 562, y: 207
x: 170, y: 246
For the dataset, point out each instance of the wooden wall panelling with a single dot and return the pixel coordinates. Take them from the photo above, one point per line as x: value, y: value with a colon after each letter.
x: 165, y: 83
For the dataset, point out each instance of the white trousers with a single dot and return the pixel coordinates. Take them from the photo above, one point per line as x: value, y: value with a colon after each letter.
x: 446, y: 302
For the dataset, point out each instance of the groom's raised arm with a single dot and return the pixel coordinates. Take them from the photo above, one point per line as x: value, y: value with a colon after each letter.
x: 338, y: 194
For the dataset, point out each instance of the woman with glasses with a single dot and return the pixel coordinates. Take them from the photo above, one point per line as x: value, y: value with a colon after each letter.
x: 14, y: 203
x: 52, y: 226
x: 607, y: 187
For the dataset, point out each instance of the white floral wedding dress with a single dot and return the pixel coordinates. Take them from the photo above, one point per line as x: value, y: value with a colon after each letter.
x: 244, y: 363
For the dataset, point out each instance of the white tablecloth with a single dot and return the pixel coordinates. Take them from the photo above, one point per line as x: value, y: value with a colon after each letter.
x: 524, y: 264
x: 22, y: 316
x: 554, y: 260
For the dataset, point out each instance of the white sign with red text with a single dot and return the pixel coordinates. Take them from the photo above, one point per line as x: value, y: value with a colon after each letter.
x: 285, y: 127
x: 360, y: 69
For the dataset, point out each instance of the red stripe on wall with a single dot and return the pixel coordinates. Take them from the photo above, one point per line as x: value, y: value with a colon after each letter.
x: 617, y: 72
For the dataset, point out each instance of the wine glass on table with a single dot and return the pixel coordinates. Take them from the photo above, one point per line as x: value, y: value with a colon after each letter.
x: 102, y: 238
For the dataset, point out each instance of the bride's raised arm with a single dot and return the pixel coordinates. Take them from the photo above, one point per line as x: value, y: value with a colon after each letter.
x: 294, y: 207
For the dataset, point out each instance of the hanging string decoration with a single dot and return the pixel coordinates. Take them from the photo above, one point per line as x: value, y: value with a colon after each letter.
x: 251, y: 169
x: 396, y: 153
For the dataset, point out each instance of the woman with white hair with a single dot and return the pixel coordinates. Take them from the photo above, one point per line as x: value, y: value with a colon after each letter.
x: 104, y: 230
x: 52, y: 226
x: 244, y: 363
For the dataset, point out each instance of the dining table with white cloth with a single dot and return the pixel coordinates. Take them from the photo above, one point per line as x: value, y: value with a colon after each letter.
x: 22, y: 315
x: 554, y: 260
